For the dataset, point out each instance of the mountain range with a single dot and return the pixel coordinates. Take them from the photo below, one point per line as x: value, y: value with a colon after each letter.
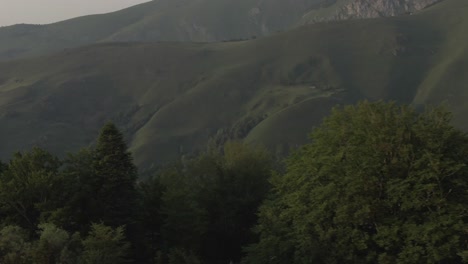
x: 192, y: 20
x: 173, y: 98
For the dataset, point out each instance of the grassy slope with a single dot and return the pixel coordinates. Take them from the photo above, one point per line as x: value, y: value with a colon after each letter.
x: 171, y: 98
x: 164, y: 20
x: 447, y: 80
x: 161, y: 20
x: 27, y: 40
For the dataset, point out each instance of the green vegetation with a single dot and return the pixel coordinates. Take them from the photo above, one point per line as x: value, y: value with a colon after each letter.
x: 55, y: 245
x: 114, y: 184
x: 105, y: 245
x: 211, y: 202
x: 379, y: 183
x: 89, y: 207
x: 28, y: 189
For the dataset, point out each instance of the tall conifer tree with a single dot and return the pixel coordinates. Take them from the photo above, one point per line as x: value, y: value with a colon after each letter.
x: 116, y: 177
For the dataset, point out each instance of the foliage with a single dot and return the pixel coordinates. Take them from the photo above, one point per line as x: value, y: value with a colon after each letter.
x: 116, y: 175
x: 3, y: 166
x: 178, y: 256
x: 184, y: 218
x: 151, y: 217
x: 52, y: 246
x: 380, y: 183
x: 105, y: 245
x: 80, y: 187
x: 93, y: 184
x: 30, y: 187
x: 14, y: 246
x: 210, y: 204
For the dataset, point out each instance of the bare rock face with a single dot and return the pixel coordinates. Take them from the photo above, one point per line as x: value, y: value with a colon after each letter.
x: 350, y: 9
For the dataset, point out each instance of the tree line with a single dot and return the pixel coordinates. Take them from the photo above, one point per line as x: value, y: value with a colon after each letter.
x: 378, y: 183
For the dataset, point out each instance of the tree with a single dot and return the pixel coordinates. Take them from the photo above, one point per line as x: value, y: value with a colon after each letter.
x: 210, y: 204
x: 184, y: 220
x: 105, y: 245
x: 80, y: 187
x: 52, y: 244
x: 231, y: 193
x: 30, y: 187
x: 151, y: 218
x: 116, y: 176
x: 14, y: 246
x: 3, y: 166
x: 380, y: 183
x: 178, y: 256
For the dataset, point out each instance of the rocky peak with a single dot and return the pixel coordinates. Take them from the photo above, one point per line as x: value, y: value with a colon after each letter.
x: 349, y: 9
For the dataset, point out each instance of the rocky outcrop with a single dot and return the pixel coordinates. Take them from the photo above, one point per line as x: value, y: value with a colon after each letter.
x: 350, y: 9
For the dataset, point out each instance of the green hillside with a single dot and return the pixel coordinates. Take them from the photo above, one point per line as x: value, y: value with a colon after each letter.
x: 170, y: 20
x: 159, y: 20
x: 173, y: 98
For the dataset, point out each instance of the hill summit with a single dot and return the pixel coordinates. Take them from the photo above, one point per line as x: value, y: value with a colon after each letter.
x: 192, y: 21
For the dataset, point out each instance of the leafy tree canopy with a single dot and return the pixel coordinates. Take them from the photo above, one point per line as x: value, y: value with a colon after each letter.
x: 30, y: 187
x: 14, y: 245
x: 380, y: 183
x: 105, y: 245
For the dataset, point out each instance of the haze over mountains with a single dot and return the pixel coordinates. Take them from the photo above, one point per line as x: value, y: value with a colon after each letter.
x: 174, y: 98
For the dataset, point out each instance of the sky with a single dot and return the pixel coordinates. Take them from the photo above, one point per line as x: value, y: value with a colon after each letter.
x: 49, y: 11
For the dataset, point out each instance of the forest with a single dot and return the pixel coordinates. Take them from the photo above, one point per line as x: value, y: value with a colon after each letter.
x: 378, y: 182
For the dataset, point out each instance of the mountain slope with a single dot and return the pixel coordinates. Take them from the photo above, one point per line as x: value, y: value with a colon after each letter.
x: 191, y: 20
x: 174, y: 98
x: 353, y: 9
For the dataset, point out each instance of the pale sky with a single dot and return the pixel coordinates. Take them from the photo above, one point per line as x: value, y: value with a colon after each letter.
x: 48, y: 11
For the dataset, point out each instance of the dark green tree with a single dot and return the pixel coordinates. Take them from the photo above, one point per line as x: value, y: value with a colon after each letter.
x: 115, y: 182
x: 231, y: 193
x: 210, y: 204
x: 380, y: 183
x: 151, y: 216
x: 30, y: 188
x: 105, y: 245
x: 80, y: 187
x: 15, y: 247
x: 178, y: 256
x: 184, y: 219
x: 51, y: 246
x: 3, y: 166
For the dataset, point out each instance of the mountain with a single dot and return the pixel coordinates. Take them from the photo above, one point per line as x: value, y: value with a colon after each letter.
x: 191, y: 20
x: 174, y: 98
x: 354, y: 9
